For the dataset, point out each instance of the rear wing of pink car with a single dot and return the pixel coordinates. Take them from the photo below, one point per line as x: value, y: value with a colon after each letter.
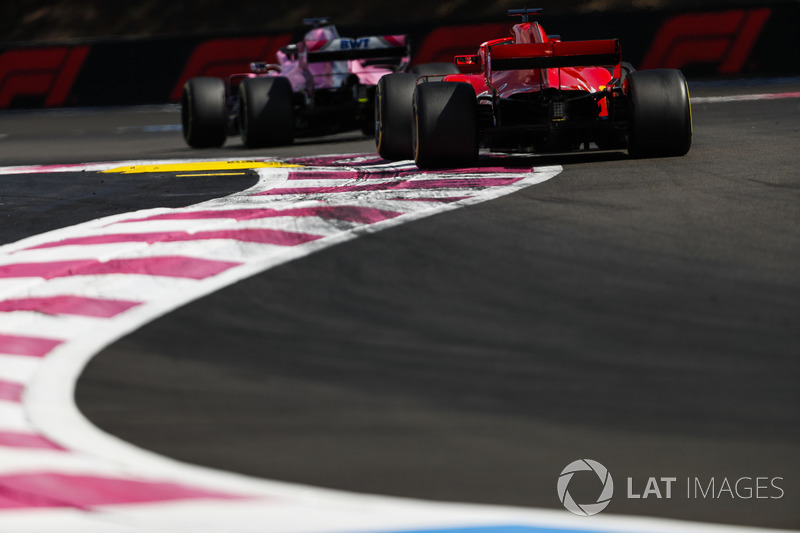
x: 343, y: 49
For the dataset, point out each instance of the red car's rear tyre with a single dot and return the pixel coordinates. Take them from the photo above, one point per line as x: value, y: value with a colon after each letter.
x: 661, y: 114
x: 203, y: 112
x: 446, y: 125
x: 394, y: 116
x: 266, y: 111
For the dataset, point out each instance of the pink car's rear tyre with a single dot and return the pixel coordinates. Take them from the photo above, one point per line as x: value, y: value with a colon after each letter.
x: 394, y: 118
x: 266, y: 111
x: 203, y: 112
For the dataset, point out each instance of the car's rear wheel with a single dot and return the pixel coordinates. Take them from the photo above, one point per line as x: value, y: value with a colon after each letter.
x: 394, y: 116
x: 446, y: 127
x: 203, y: 112
x: 661, y: 114
x: 266, y: 111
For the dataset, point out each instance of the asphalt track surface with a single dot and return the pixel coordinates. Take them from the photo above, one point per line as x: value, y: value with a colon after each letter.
x: 645, y: 314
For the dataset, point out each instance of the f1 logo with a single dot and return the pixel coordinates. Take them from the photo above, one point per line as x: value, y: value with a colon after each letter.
x: 725, y: 38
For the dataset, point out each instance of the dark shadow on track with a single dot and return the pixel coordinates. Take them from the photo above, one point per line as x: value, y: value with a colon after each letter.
x: 34, y: 204
x: 540, y: 160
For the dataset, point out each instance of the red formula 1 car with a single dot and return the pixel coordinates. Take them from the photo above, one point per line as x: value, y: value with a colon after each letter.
x: 322, y: 84
x: 533, y: 93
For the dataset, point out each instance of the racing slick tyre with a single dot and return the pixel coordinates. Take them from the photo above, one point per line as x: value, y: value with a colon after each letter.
x: 266, y: 111
x: 204, y: 112
x: 446, y: 125
x: 661, y: 114
x: 394, y: 116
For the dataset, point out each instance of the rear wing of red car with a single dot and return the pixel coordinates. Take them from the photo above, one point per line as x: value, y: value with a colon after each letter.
x: 554, y: 55
x: 509, y: 56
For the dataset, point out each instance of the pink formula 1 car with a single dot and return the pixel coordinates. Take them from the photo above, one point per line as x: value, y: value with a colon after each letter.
x: 320, y: 85
x: 531, y: 92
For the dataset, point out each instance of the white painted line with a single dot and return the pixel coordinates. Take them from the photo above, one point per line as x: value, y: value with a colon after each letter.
x: 743, y: 97
x: 14, y: 417
x: 22, y: 460
x: 56, y: 327
x: 112, y: 286
x: 18, y: 368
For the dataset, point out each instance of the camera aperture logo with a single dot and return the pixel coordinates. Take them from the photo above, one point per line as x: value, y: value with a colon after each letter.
x: 585, y: 485
x: 585, y: 509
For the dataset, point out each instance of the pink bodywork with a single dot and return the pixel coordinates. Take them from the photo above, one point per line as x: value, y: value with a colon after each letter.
x: 309, y: 76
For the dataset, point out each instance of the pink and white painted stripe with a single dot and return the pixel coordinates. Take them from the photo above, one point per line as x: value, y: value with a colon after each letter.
x: 68, y: 305
x: 348, y: 213
x: 67, y: 293
x: 85, y: 492
x: 11, y: 391
x: 265, y: 236
x: 26, y: 345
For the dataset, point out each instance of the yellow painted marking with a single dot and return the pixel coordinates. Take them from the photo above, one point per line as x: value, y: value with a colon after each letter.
x: 211, y: 174
x: 206, y: 165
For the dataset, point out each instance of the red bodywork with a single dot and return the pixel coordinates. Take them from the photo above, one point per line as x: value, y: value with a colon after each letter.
x: 530, y: 42
x: 540, y: 70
